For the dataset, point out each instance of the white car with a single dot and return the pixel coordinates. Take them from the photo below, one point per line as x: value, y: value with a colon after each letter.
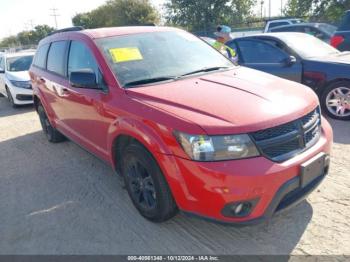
x: 14, y: 77
x: 281, y: 22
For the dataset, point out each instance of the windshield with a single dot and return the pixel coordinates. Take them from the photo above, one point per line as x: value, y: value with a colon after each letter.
x: 19, y: 63
x: 329, y: 29
x: 308, y: 46
x: 159, y: 56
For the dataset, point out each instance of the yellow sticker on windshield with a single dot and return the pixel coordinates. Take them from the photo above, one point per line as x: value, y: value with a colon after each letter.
x: 125, y: 54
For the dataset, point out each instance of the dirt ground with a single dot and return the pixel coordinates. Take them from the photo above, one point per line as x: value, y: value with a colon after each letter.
x: 59, y: 199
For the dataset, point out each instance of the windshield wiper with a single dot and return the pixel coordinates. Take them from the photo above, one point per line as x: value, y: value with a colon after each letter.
x: 206, y: 69
x: 167, y: 78
x: 149, y: 81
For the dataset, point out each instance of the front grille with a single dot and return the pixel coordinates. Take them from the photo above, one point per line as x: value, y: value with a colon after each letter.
x: 285, y: 141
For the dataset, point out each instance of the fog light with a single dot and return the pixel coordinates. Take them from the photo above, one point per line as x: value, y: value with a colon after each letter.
x: 239, y: 209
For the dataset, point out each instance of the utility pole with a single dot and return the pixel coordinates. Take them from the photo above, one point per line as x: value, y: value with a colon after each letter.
x: 30, y: 24
x: 281, y: 7
x: 262, y: 7
x: 269, y: 8
x: 54, y: 14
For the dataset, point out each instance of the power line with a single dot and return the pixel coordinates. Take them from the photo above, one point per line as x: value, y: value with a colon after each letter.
x: 54, y: 14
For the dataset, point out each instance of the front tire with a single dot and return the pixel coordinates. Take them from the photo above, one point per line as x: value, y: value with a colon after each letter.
x: 10, y: 98
x: 335, y: 100
x: 146, y: 184
x: 52, y: 134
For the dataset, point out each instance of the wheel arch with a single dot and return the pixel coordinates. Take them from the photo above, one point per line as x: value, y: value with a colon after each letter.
x: 324, y: 87
x: 37, y: 101
x: 125, y: 131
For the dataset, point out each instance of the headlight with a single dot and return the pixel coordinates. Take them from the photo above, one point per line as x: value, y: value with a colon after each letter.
x: 216, y: 148
x: 21, y: 84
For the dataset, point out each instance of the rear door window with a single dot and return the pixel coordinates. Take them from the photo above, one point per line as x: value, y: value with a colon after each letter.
x: 40, y: 56
x: 57, y: 57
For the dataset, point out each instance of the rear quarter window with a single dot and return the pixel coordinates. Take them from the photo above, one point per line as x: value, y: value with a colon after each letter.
x: 40, y: 56
x: 56, y: 57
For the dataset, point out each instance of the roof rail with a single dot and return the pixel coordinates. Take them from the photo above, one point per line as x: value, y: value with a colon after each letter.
x: 68, y: 29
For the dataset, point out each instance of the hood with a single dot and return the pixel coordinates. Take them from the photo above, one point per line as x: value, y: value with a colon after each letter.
x: 18, y: 76
x: 342, y: 58
x: 236, y: 101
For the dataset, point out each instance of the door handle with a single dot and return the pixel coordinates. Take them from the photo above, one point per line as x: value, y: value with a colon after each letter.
x: 65, y: 91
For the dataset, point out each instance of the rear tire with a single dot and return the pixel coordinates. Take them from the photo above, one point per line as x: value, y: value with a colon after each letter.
x: 52, y: 134
x: 335, y: 100
x: 146, y: 184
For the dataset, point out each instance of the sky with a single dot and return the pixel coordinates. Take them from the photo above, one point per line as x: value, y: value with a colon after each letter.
x: 19, y: 15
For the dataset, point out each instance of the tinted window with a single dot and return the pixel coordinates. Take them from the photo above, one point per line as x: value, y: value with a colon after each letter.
x: 329, y: 29
x: 284, y: 29
x: 40, y: 56
x: 260, y: 52
x: 272, y: 25
x: 80, y: 57
x: 345, y: 23
x: 19, y: 63
x: 56, y: 57
x: 300, y: 29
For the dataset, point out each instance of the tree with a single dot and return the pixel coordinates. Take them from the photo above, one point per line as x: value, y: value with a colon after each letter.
x: 31, y: 37
x: 197, y: 15
x: 298, y: 8
x: 330, y: 10
x: 322, y: 10
x: 118, y: 13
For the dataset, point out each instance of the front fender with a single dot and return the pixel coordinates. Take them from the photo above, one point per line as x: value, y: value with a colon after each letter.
x: 147, y: 133
x: 156, y: 139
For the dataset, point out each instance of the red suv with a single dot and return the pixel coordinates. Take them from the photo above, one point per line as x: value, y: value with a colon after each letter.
x: 185, y: 128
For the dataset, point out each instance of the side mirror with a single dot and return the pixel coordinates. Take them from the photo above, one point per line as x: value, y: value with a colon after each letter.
x: 85, y: 78
x: 289, y: 61
x: 2, y: 71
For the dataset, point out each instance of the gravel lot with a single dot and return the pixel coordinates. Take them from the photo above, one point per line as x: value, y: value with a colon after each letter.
x: 59, y: 199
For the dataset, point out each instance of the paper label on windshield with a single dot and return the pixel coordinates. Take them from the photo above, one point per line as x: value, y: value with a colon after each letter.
x: 125, y: 54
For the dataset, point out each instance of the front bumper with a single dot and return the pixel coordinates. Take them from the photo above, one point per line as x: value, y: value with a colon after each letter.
x: 204, y: 189
x: 21, y: 96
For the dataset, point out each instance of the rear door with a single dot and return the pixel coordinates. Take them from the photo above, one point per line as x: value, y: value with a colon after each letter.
x: 263, y: 56
x: 55, y: 80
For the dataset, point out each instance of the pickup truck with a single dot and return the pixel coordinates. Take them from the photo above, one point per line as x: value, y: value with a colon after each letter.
x: 341, y: 38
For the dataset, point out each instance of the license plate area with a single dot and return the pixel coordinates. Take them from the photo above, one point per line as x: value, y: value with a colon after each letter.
x: 312, y: 169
